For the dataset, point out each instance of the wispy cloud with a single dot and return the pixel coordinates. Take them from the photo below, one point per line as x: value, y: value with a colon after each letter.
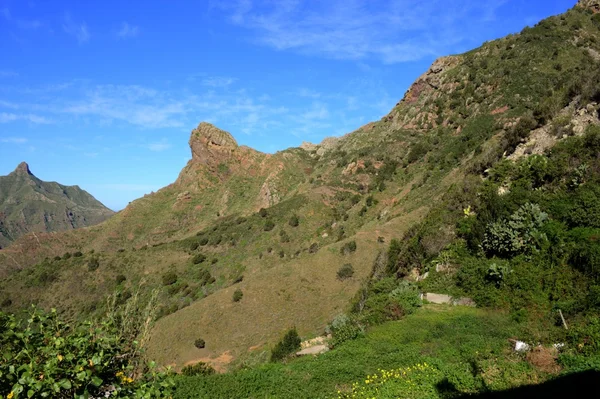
x: 7, y: 74
x: 127, y: 30
x: 391, y: 31
x: 217, y: 81
x: 159, y: 146
x: 6, y: 117
x: 5, y: 12
x: 13, y: 140
x: 79, y: 30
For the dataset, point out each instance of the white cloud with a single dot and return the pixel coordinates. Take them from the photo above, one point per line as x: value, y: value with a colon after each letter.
x: 8, y: 74
x: 13, y: 140
x: 127, y: 30
x: 217, y: 81
x: 159, y: 146
x: 391, y: 31
x: 6, y: 117
x: 5, y: 12
x: 79, y: 30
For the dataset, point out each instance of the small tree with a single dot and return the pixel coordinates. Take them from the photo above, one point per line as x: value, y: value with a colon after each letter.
x: 200, y: 343
x: 237, y: 295
x: 269, y: 225
x: 345, y: 272
x: 294, y: 221
x: 93, y: 264
x: 288, y: 345
x: 198, y: 258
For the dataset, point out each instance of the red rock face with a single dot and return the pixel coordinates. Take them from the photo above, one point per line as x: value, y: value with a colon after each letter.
x: 593, y: 5
x: 211, y: 145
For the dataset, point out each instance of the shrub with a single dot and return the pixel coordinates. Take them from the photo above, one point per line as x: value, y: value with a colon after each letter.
x: 237, y: 295
x: 66, y: 256
x: 345, y: 272
x: 57, y: 258
x: 262, y: 213
x: 169, y: 278
x: 518, y: 234
x: 194, y: 246
x: 206, y: 278
x: 344, y: 328
x: 198, y: 258
x: 314, y: 248
x: 348, y: 248
x: 200, y: 343
x: 294, y: 221
x: 76, y: 361
x: 120, y: 278
x: 269, y: 225
x: 289, y: 344
x: 78, y: 254
x: 93, y: 264
x: 199, y: 368
x: 282, y: 254
x: 203, y: 241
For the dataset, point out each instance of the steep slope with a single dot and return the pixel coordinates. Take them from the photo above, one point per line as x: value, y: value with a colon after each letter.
x: 28, y: 204
x: 327, y: 205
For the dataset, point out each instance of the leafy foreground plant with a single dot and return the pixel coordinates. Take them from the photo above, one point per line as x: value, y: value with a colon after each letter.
x: 43, y: 356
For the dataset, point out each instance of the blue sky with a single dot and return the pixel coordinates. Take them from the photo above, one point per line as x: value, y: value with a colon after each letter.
x: 104, y: 94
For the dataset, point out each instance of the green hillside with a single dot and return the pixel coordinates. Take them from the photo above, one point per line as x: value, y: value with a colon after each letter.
x: 481, y: 183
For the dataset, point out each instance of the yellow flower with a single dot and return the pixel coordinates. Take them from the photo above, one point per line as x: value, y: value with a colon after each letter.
x: 10, y: 395
x: 60, y: 358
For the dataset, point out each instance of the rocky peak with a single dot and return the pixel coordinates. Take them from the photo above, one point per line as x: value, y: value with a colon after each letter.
x: 23, y: 168
x: 211, y: 145
x: 593, y: 5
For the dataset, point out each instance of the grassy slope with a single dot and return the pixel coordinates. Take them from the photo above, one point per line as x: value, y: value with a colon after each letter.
x: 470, y: 347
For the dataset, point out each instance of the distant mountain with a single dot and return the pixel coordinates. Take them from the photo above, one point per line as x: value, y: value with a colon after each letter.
x: 30, y: 205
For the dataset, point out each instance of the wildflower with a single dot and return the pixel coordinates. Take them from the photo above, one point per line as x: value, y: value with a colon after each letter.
x: 60, y: 358
x: 10, y: 395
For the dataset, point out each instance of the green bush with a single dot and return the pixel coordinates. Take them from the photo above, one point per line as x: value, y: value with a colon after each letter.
x: 67, y: 255
x: 78, y: 254
x: 348, y: 248
x: 203, y: 241
x: 314, y: 248
x: 289, y: 344
x: 196, y: 369
x: 237, y: 295
x: 194, y: 245
x: 294, y: 221
x: 44, y: 357
x: 205, y: 278
x: 262, y: 213
x: 120, y: 278
x: 169, y: 278
x: 200, y: 343
x: 93, y: 264
x: 345, y: 272
x: 344, y: 328
x: 269, y: 225
x: 198, y: 258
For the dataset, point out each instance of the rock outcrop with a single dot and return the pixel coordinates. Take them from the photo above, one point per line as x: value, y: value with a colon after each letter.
x: 211, y: 145
x: 593, y: 5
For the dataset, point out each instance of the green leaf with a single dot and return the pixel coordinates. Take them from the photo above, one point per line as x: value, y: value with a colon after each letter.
x: 64, y: 383
x: 96, y: 381
x: 30, y: 393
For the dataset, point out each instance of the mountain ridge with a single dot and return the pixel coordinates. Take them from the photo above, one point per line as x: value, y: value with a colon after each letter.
x: 28, y: 204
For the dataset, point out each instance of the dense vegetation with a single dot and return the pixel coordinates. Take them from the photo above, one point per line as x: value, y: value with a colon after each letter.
x: 447, y: 194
